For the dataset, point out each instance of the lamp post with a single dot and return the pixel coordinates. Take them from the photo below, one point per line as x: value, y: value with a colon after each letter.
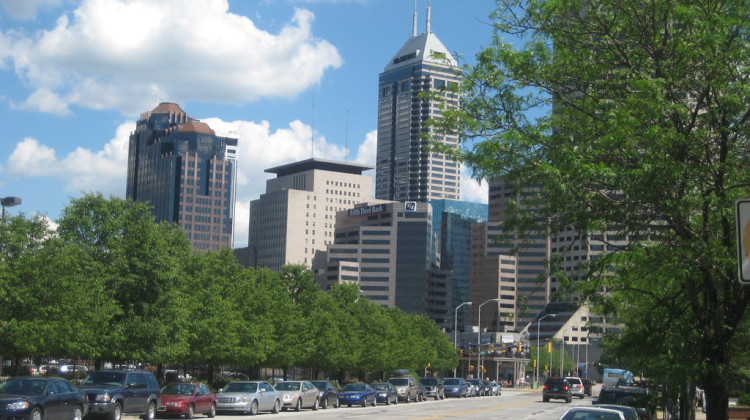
x: 538, y: 321
x: 9, y: 202
x: 455, y: 329
x: 479, y: 333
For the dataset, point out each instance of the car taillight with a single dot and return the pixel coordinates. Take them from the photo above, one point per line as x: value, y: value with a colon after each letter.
x: 565, y: 388
x: 545, y: 388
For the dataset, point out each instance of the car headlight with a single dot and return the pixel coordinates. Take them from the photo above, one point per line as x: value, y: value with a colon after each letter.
x: 103, y: 398
x: 18, y: 405
x: 244, y: 399
x: 288, y: 396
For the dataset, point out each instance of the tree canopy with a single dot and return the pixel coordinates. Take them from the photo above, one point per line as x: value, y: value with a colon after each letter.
x: 627, y: 117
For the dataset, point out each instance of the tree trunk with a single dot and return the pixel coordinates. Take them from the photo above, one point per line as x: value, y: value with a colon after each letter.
x: 717, y: 397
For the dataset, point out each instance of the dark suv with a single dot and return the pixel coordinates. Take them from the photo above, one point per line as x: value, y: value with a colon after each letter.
x: 557, y: 388
x: 112, y: 393
x: 638, y: 397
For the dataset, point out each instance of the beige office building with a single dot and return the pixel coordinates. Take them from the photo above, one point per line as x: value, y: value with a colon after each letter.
x: 294, y: 220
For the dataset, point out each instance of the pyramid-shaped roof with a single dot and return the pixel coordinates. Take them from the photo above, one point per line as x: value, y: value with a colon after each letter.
x: 194, y: 126
x: 422, y: 48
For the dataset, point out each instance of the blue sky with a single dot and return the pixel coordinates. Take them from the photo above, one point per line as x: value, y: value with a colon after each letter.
x: 290, y: 78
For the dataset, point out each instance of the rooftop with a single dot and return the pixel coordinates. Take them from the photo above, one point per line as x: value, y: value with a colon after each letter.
x: 319, y: 164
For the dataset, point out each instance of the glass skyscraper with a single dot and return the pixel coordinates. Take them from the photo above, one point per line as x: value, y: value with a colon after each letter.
x: 180, y: 167
x: 405, y: 170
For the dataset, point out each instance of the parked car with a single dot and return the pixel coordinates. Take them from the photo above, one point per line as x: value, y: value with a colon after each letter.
x: 497, y: 389
x: 628, y: 412
x: 576, y: 386
x: 34, y: 398
x: 577, y: 413
x: 433, y: 387
x: 456, y: 387
x: 407, y: 387
x: 329, y: 393
x: 478, y: 388
x: 249, y: 397
x: 385, y: 393
x: 298, y: 395
x: 587, y: 386
x: 358, y: 394
x: 486, y: 387
x: 557, y: 388
x: 186, y: 399
x: 637, y: 397
x: 112, y: 393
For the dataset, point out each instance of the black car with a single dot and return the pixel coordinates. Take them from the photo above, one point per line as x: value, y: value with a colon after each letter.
x: 557, y: 388
x: 385, y: 393
x: 587, y: 386
x: 329, y: 394
x: 112, y: 393
x: 433, y: 387
x: 638, y: 397
x: 35, y: 398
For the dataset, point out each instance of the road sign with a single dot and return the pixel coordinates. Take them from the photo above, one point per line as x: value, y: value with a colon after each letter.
x: 743, y: 240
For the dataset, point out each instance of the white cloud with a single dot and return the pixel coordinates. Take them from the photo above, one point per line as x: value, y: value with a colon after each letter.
x: 130, y: 54
x: 27, y: 9
x: 82, y: 170
x: 471, y: 189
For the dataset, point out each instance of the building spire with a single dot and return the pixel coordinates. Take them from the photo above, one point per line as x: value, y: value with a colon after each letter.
x: 414, y: 26
x: 429, y: 12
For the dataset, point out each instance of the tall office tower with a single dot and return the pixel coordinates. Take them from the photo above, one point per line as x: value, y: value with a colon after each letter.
x: 294, y: 220
x: 405, y: 170
x: 512, y: 269
x: 451, y: 222
x: 186, y: 173
x: 388, y: 249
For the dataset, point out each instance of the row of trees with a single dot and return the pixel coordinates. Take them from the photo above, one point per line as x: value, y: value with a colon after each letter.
x: 630, y: 117
x: 110, y: 284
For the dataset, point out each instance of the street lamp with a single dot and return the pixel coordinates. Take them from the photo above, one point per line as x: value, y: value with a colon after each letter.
x: 538, y: 321
x: 455, y: 329
x: 479, y: 333
x: 9, y: 202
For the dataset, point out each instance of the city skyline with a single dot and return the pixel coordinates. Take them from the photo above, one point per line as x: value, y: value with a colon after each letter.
x: 76, y: 75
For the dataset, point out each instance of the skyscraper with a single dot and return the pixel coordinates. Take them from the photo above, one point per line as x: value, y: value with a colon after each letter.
x: 405, y: 170
x: 186, y: 173
x: 294, y: 220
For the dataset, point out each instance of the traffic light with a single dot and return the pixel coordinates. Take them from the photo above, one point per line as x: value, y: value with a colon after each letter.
x: 520, y: 346
x: 462, y: 352
x: 471, y: 368
x: 549, y: 347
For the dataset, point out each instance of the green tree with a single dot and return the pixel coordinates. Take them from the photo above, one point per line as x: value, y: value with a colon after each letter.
x: 141, y: 264
x: 631, y: 117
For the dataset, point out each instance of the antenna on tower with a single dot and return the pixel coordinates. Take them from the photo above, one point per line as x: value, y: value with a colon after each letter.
x: 429, y: 12
x: 414, y: 26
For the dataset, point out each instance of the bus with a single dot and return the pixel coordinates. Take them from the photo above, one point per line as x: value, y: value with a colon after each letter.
x: 612, y: 377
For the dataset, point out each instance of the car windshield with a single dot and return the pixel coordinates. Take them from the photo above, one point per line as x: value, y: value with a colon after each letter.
x: 474, y: 381
x: 288, y: 386
x: 105, y: 378
x: 399, y: 382
x: 380, y: 387
x: 429, y: 381
x: 178, y: 389
x: 248, y: 387
x: 25, y: 386
x: 591, y: 415
x: 321, y: 385
x: 453, y: 381
x: 355, y: 387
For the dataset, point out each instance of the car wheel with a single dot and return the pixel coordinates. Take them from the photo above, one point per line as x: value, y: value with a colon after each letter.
x: 150, y: 411
x: 116, y: 413
x: 276, y: 406
x: 254, y: 408
x: 315, y: 406
x: 191, y: 412
x: 298, y: 407
x: 388, y: 401
x: 569, y: 400
x: 212, y: 411
x: 36, y: 414
x: 78, y: 413
x: 348, y: 405
x: 545, y: 399
x: 324, y: 403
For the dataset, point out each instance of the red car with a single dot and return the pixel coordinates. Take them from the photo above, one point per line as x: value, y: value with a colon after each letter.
x: 187, y: 399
